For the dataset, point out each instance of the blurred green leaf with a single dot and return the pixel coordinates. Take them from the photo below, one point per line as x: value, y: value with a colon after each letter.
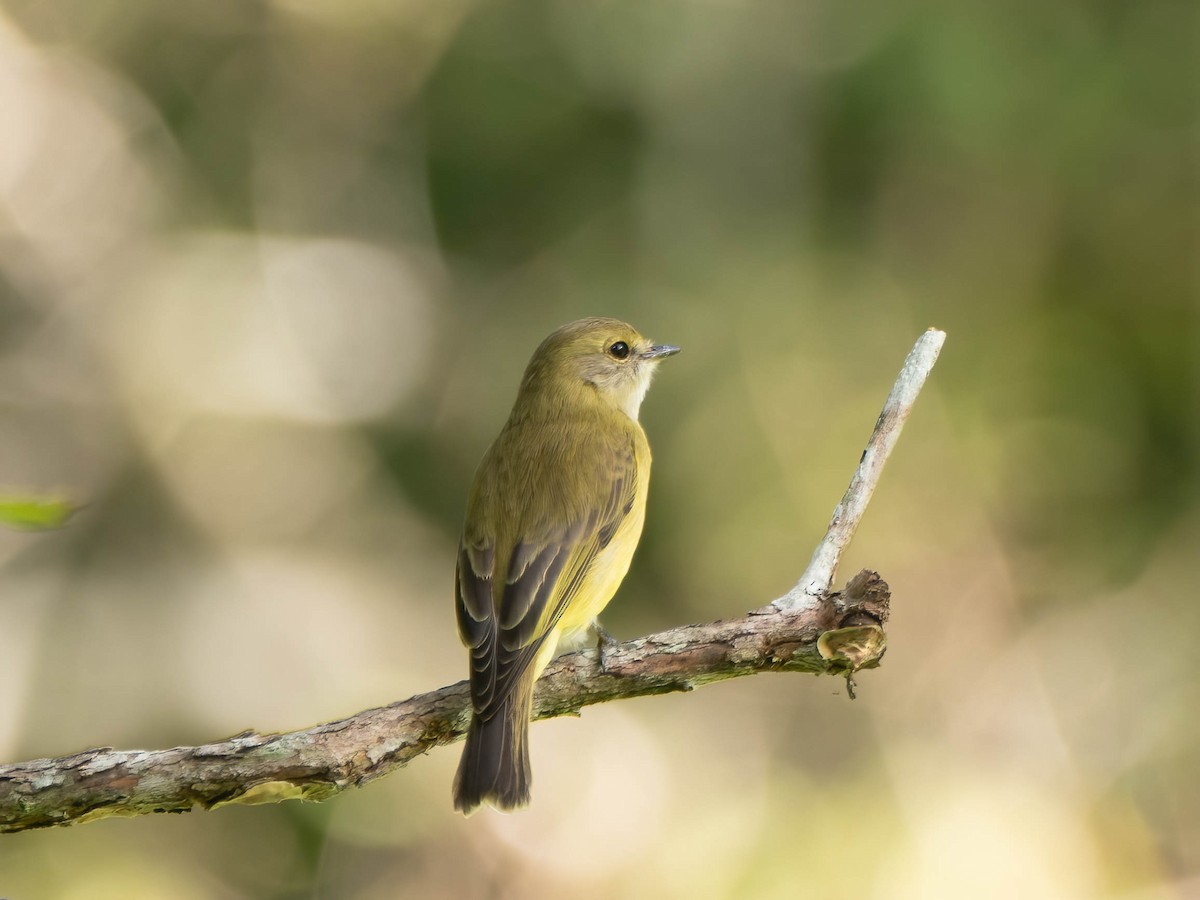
x: 31, y: 512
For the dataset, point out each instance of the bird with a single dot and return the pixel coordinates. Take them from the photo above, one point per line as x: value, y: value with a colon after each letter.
x: 553, y: 517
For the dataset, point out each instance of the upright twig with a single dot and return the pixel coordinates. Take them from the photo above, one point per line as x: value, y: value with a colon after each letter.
x: 822, y: 568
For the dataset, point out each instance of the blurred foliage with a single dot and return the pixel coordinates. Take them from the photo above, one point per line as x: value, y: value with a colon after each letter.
x: 270, y: 272
x: 32, y: 512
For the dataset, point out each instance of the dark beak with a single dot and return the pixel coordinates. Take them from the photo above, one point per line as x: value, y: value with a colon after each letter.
x: 659, y: 350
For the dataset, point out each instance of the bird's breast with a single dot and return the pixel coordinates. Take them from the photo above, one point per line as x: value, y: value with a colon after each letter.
x: 606, y: 572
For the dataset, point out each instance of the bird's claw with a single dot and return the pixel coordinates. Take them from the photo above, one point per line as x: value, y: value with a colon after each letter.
x: 604, y: 643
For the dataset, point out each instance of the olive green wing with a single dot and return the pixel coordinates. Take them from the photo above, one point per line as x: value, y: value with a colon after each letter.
x: 544, y: 573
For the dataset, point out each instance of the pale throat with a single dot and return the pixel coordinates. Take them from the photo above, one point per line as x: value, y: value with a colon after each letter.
x: 631, y: 401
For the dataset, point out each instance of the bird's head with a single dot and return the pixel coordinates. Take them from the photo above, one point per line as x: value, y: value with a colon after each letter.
x: 605, y: 355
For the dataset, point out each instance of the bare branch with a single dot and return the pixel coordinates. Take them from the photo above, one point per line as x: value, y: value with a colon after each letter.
x: 822, y: 568
x: 319, y: 762
x: 809, y: 630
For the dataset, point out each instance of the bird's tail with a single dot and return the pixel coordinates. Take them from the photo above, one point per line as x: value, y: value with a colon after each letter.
x: 495, y: 762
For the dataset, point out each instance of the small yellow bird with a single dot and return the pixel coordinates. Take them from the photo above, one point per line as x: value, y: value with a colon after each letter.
x: 553, y: 518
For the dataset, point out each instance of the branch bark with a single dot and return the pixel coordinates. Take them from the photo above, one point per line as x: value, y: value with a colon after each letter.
x: 835, y: 633
x: 319, y: 762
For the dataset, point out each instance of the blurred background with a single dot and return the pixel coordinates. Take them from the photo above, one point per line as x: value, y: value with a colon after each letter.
x: 270, y: 272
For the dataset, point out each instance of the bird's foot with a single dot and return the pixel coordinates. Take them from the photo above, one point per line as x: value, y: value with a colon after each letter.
x: 604, y: 643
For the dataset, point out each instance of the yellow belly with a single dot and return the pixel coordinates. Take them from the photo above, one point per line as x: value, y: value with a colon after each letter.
x: 604, y: 577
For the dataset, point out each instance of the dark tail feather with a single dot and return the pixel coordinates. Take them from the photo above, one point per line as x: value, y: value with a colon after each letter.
x: 495, y: 762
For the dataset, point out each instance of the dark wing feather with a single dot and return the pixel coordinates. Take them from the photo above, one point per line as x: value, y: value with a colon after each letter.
x: 543, y: 576
x: 476, y: 622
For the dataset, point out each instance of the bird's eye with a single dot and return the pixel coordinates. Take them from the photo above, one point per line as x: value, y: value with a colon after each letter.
x: 619, y: 350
